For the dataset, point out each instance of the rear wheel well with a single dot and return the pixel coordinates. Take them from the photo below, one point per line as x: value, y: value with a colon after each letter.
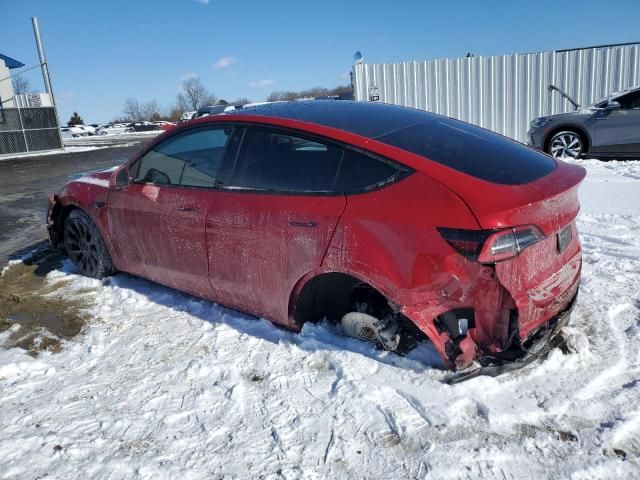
x: 332, y: 295
x: 583, y: 136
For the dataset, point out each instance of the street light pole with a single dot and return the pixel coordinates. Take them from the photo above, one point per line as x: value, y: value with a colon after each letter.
x: 43, y: 60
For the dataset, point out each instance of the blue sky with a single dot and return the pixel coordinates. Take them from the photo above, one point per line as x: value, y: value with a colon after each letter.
x: 101, y: 53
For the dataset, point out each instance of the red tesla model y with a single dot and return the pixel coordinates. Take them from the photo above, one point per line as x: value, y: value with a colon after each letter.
x: 401, y: 225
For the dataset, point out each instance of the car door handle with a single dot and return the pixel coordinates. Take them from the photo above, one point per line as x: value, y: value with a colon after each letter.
x: 99, y: 204
x: 188, y: 209
x: 303, y: 224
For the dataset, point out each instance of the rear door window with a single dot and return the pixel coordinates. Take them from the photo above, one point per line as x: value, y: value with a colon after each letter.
x: 275, y: 161
x: 361, y: 173
x: 472, y: 150
x: 190, y: 158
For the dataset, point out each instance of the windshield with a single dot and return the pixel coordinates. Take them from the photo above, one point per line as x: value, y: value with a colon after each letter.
x: 603, y: 101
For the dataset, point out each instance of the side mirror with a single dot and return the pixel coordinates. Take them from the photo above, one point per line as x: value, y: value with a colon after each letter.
x: 613, y: 105
x: 120, y: 178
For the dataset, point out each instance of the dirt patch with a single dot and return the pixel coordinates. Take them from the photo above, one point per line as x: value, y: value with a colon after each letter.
x: 36, y: 318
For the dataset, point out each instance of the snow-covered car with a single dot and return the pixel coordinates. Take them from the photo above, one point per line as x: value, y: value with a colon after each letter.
x: 113, y: 129
x: 87, y: 128
x: 187, y: 116
x: 73, y: 132
x: 213, y: 110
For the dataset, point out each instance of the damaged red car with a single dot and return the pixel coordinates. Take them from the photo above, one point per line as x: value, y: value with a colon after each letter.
x: 402, y: 225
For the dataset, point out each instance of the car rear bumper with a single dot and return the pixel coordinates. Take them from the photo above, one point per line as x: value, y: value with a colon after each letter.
x: 500, y: 330
x: 537, y: 345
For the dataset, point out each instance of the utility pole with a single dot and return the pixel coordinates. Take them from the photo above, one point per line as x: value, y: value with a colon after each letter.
x: 43, y: 60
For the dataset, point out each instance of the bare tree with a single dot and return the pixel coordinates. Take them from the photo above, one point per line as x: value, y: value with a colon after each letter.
x: 20, y: 85
x: 308, y: 93
x: 194, y: 94
x: 150, y: 111
x: 132, y: 110
x: 240, y: 101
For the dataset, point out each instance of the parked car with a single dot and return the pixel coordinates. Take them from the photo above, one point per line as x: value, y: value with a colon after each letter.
x: 186, y: 116
x: 164, y: 125
x: 400, y: 225
x: 608, y: 128
x: 143, y: 126
x: 88, y: 129
x: 73, y: 132
x: 113, y: 129
x: 213, y: 110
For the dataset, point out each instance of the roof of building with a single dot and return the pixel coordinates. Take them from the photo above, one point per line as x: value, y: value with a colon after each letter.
x: 11, y: 62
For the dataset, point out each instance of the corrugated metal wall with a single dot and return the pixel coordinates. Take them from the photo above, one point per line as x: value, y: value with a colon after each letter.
x: 502, y: 93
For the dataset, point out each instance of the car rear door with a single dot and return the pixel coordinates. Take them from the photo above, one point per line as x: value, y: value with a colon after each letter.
x: 157, y: 221
x: 618, y: 131
x: 273, y: 222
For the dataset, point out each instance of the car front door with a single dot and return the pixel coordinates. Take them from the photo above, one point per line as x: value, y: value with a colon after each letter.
x: 618, y: 131
x: 157, y: 222
x: 273, y: 222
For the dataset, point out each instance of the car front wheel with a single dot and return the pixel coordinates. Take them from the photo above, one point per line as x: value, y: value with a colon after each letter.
x: 566, y: 144
x: 85, y: 246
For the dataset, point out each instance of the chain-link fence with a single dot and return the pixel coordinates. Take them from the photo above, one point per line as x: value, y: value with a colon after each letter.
x: 28, y: 130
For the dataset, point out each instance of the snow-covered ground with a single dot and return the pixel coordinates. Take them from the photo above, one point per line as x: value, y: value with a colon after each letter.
x: 93, y: 142
x: 163, y: 385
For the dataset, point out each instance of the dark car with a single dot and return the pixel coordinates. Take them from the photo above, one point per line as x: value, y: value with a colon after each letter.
x: 400, y: 225
x: 607, y: 128
x: 143, y: 126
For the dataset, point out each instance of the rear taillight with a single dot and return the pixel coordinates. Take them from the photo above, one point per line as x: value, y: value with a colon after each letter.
x: 489, y: 246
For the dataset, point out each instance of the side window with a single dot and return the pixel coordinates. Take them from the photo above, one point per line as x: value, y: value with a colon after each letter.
x: 274, y: 161
x: 360, y: 172
x: 188, y: 159
x: 630, y: 101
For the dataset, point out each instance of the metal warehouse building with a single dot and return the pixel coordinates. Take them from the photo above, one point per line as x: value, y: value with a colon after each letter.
x: 502, y: 93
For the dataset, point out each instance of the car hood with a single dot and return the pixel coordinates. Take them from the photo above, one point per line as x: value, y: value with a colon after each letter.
x: 570, y: 115
x: 104, y: 174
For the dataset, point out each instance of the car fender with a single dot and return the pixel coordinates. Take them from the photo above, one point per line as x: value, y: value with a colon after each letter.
x: 92, y: 199
x: 389, y: 237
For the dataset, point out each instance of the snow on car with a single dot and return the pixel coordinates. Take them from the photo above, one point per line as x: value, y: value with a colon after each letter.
x: 73, y: 132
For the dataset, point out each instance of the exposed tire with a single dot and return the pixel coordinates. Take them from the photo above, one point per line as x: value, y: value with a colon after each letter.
x: 566, y: 144
x: 85, y: 246
x: 103, y: 133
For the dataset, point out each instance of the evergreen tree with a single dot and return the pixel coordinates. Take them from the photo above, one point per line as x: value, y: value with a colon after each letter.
x: 75, y: 120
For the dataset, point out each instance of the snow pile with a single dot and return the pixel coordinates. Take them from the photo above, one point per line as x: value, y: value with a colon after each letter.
x: 163, y: 385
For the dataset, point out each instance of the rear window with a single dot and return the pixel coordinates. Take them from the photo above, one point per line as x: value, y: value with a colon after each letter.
x: 360, y: 173
x: 472, y: 150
